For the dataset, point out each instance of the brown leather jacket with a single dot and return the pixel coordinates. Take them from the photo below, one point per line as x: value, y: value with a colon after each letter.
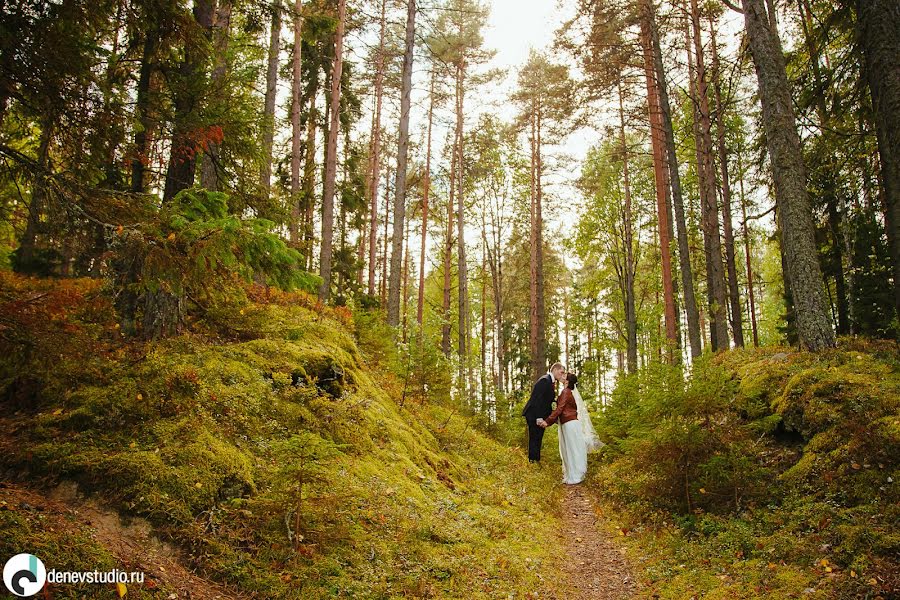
x: 566, y: 410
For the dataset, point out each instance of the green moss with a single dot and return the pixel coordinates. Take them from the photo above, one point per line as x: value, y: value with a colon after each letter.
x: 210, y: 441
x: 798, y: 466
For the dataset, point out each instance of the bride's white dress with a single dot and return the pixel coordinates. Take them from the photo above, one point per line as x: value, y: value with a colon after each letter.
x: 591, y: 441
x: 576, y: 439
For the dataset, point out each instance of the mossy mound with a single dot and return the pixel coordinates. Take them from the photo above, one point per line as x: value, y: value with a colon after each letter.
x: 769, y: 473
x: 272, y: 455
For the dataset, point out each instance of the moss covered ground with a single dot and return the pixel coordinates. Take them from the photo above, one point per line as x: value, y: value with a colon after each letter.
x: 268, y: 447
x: 771, y: 474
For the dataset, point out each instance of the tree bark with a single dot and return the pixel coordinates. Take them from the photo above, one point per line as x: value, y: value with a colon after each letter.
x: 297, y: 133
x: 182, y: 167
x: 751, y: 296
x: 715, y: 273
x: 405, y: 307
x: 393, y: 305
x: 382, y: 286
x: 331, y: 157
x: 25, y: 253
x: 141, y: 152
x: 461, y: 267
x: 537, y: 337
x: 420, y: 308
x: 831, y: 178
x: 737, y: 322
x: 448, y: 249
x: 692, y: 313
x: 309, y: 175
x: 878, y: 34
x: 210, y: 171
x: 657, y: 140
x: 265, y: 174
x: 630, y: 310
x: 789, y: 176
x: 375, y: 160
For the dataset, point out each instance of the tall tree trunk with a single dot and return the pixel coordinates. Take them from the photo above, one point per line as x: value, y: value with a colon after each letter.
x: 265, y: 172
x: 692, y: 313
x: 737, y: 322
x: 657, y: 140
x: 141, y: 152
x: 715, y: 273
x: 420, y: 307
x: 461, y: 268
x: 537, y: 337
x: 831, y: 179
x: 331, y: 157
x: 789, y: 176
x: 878, y: 34
x: 309, y: 175
x: 25, y: 253
x: 483, y: 383
x: 210, y: 177
x: 494, y: 262
x: 375, y: 159
x: 297, y: 133
x: 448, y: 249
x: 539, y: 246
x: 498, y: 315
x: 630, y: 310
x: 182, y: 166
x: 405, y: 310
x: 393, y: 305
x: 751, y: 296
x: 382, y: 291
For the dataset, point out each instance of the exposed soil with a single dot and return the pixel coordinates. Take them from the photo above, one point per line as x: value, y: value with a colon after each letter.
x: 165, y: 572
x: 595, y: 566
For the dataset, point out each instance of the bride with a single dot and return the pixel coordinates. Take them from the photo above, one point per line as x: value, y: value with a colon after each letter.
x: 577, y: 436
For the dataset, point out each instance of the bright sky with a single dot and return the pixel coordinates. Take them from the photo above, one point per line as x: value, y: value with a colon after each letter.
x: 514, y: 28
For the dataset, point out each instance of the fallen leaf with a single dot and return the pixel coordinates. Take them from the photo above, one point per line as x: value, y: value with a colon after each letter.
x: 121, y: 589
x: 57, y: 412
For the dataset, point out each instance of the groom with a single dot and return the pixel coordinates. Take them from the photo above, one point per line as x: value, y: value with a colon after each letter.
x: 539, y: 407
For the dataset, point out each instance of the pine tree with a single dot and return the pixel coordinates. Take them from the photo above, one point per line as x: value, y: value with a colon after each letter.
x: 802, y: 272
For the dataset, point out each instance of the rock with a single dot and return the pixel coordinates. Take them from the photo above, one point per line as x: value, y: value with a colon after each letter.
x: 779, y: 358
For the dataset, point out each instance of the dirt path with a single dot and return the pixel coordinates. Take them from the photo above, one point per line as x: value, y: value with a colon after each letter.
x: 596, y: 567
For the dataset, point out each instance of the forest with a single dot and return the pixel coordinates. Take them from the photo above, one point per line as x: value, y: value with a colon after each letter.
x: 277, y: 278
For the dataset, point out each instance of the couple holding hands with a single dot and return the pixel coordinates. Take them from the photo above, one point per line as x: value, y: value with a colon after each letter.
x: 577, y: 436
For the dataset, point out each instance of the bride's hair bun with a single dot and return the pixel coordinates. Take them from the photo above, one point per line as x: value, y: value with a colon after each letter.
x: 571, y: 380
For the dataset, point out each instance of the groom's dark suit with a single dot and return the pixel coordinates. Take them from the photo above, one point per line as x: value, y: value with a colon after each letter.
x: 539, y: 406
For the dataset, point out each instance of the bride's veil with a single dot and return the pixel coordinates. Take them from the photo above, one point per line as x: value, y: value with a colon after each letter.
x: 584, y: 417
